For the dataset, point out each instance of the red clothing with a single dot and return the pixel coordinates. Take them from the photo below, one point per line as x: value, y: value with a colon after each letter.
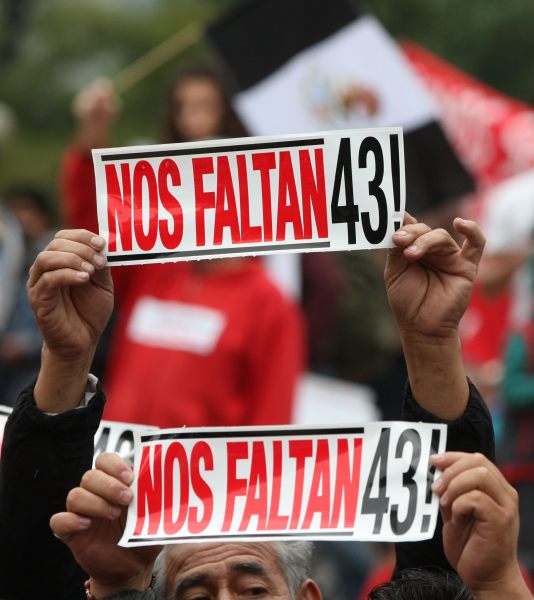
x: 233, y: 355
x: 381, y: 573
x: 78, y: 191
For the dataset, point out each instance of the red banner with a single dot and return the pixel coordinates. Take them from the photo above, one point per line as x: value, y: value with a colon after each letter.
x: 494, y: 136
x: 492, y: 133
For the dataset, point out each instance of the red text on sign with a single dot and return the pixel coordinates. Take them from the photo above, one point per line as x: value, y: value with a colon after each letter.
x: 174, y: 494
x: 125, y: 205
x: 331, y: 488
x: 161, y: 502
x: 144, y: 208
x: 298, y: 206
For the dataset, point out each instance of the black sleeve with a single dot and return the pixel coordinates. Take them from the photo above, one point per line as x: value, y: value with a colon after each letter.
x: 43, y: 458
x: 472, y: 432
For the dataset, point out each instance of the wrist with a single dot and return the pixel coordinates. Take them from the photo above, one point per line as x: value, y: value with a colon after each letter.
x: 65, y: 362
x: 436, y: 373
x: 97, y: 590
x: 62, y: 380
x: 444, y: 339
x: 423, y: 352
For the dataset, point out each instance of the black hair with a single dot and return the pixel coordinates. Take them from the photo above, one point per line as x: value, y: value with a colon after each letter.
x: 423, y: 584
x: 231, y: 125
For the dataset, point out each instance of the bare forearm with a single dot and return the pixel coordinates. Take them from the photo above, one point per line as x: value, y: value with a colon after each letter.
x: 61, y: 382
x: 436, y: 374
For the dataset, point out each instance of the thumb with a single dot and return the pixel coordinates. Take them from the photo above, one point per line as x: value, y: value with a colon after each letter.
x: 396, y: 261
x: 474, y: 239
x: 66, y: 525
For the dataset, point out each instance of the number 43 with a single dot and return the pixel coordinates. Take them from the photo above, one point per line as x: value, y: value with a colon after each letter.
x: 378, y: 505
x: 349, y: 213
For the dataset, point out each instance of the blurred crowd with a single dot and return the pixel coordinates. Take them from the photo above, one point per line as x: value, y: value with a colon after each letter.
x: 241, y: 341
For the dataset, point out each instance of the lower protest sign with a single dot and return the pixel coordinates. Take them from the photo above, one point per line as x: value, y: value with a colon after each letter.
x: 340, y: 190
x: 368, y: 482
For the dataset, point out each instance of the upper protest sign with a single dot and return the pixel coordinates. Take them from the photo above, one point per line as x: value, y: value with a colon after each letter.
x: 340, y: 190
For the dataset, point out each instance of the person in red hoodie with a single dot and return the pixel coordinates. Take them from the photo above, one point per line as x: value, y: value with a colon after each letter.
x: 209, y: 343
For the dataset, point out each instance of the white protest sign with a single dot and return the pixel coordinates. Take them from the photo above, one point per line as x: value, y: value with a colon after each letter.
x: 111, y: 436
x: 366, y: 482
x: 340, y: 190
x: 5, y: 411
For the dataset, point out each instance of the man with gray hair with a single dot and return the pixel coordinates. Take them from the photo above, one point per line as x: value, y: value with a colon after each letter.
x: 237, y: 570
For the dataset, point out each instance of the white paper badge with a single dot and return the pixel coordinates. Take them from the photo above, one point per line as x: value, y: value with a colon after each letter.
x: 176, y: 325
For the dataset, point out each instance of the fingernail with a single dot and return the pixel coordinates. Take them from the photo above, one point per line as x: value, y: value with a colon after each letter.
x: 87, y: 267
x: 115, y: 512
x: 412, y: 249
x: 436, y: 457
x: 127, y: 477
x: 84, y: 523
x: 97, y: 242
x: 99, y: 260
x: 400, y: 233
x: 82, y: 275
x: 444, y: 499
x: 438, y: 485
x: 126, y: 496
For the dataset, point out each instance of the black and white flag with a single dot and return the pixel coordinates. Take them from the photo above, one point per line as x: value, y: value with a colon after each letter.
x: 310, y: 65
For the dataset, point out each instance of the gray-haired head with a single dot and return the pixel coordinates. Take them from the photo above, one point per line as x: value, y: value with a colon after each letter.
x: 159, y: 575
x: 294, y: 559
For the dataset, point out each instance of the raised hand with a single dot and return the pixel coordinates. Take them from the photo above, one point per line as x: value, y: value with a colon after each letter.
x: 429, y: 277
x: 480, y: 525
x: 71, y: 293
x: 96, y: 107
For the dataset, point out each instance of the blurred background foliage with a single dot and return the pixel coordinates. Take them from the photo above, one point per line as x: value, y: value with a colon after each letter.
x: 50, y: 48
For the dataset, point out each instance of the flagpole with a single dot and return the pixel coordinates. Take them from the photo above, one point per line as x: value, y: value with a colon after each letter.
x: 157, y: 56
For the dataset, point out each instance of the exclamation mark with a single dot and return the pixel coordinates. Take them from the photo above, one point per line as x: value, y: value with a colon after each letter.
x: 395, y: 174
x: 434, y: 446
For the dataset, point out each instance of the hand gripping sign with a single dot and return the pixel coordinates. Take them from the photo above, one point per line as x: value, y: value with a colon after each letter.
x: 368, y: 482
x: 341, y: 190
